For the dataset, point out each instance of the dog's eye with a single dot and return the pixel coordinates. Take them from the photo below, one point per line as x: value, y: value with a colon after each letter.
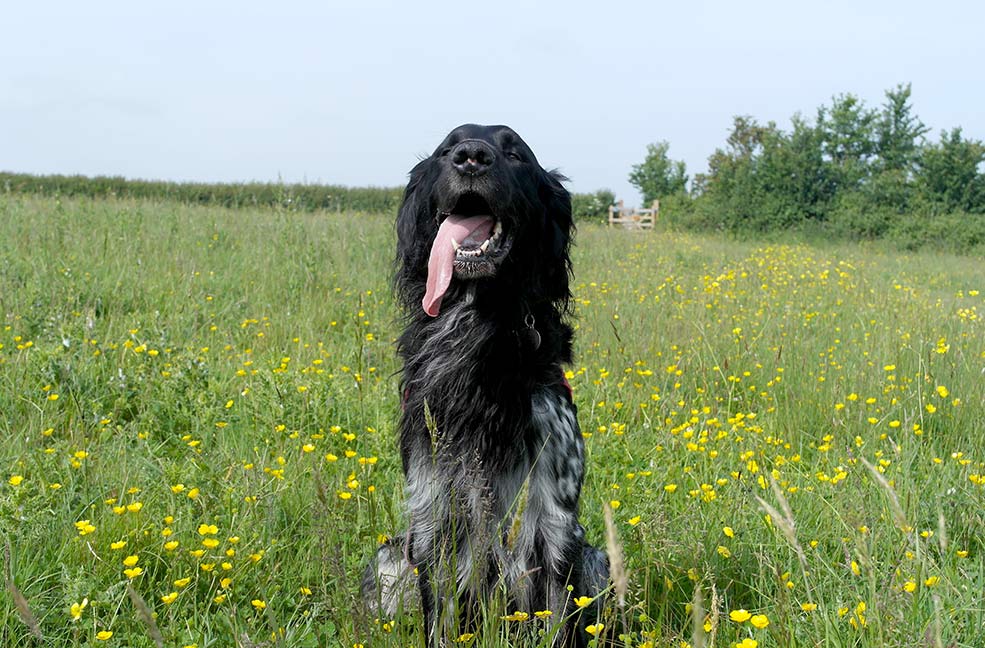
x: 514, y: 156
x: 445, y: 152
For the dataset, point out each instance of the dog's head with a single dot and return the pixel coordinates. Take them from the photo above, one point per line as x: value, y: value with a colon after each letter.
x: 480, y: 209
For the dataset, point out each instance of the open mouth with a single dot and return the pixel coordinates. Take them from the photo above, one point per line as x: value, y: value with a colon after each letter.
x: 472, y: 248
x: 470, y: 244
x: 478, y: 242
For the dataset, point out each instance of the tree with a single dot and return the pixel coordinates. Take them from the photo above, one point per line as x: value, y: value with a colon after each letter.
x: 950, y: 175
x: 793, y: 171
x: 747, y: 137
x: 766, y: 179
x: 733, y: 188
x: 848, y: 138
x: 658, y: 176
x: 899, y: 133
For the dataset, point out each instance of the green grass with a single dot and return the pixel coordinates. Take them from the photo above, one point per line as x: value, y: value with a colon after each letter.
x: 165, y: 367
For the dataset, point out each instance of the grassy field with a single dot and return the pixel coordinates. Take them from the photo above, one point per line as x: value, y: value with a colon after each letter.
x: 197, y: 410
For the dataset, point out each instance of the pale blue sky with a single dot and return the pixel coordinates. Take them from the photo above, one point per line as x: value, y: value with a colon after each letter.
x: 354, y: 92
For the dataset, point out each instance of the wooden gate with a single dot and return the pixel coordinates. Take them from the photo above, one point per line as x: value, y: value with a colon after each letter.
x: 633, y: 218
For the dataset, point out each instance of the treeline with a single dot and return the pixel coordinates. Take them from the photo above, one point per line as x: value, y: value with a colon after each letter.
x: 299, y: 197
x: 294, y: 197
x: 851, y: 172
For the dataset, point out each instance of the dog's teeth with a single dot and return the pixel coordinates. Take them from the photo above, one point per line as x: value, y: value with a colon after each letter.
x: 455, y: 244
x: 497, y: 230
x: 482, y: 248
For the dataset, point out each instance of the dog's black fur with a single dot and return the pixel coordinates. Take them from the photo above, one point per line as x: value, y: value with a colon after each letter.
x: 489, y: 440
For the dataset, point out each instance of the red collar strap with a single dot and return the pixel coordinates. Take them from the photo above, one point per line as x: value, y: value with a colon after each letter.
x: 567, y: 386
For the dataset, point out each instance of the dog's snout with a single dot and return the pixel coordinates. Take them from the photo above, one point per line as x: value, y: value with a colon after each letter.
x: 472, y: 157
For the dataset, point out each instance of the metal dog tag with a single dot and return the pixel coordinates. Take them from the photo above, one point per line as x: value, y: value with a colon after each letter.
x: 531, y: 333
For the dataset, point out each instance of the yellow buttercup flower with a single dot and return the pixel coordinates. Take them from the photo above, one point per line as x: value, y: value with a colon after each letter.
x: 759, y: 620
x: 740, y: 615
x: 85, y: 527
x: 77, y: 609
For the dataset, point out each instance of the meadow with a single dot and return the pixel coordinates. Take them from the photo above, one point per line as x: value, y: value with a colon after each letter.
x: 197, y: 413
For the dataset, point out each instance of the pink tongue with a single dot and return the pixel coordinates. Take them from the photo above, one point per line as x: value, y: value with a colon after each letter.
x: 441, y: 264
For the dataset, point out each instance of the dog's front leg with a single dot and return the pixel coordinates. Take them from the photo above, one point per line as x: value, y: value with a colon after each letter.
x: 435, y: 584
x: 567, y: 573
x: 430, y: 608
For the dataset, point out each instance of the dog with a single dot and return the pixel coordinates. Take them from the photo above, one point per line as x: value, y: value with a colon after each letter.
x: 489, y: 438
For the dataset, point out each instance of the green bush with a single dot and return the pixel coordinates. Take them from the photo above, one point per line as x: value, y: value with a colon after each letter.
x: 592, y: 207
x: 855, y: 217
x: 294, y: 197
x: 852, y: 172
x: 679, y: 212
x: 587, y: 207
x: 958, y: 232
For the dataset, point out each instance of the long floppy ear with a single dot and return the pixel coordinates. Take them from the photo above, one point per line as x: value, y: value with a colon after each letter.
x: 560, y: 230
x: 411, y: 259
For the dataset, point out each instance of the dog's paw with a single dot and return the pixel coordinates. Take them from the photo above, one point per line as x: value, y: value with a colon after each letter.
x: 389, y: 585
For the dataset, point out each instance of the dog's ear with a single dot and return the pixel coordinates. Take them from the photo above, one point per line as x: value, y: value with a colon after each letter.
x: 560, y: 230
x: 412, y: 217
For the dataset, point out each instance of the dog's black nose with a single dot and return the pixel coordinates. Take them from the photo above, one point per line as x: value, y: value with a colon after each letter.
x: 472, y: 157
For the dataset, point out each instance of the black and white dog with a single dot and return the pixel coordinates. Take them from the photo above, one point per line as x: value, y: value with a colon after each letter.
x: 489, y: 439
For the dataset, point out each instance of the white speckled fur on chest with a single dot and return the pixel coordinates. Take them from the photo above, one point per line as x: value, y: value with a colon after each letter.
x: 464, y: 506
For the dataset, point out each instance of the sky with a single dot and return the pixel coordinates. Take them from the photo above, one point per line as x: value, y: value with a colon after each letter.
x: 355, y: 93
